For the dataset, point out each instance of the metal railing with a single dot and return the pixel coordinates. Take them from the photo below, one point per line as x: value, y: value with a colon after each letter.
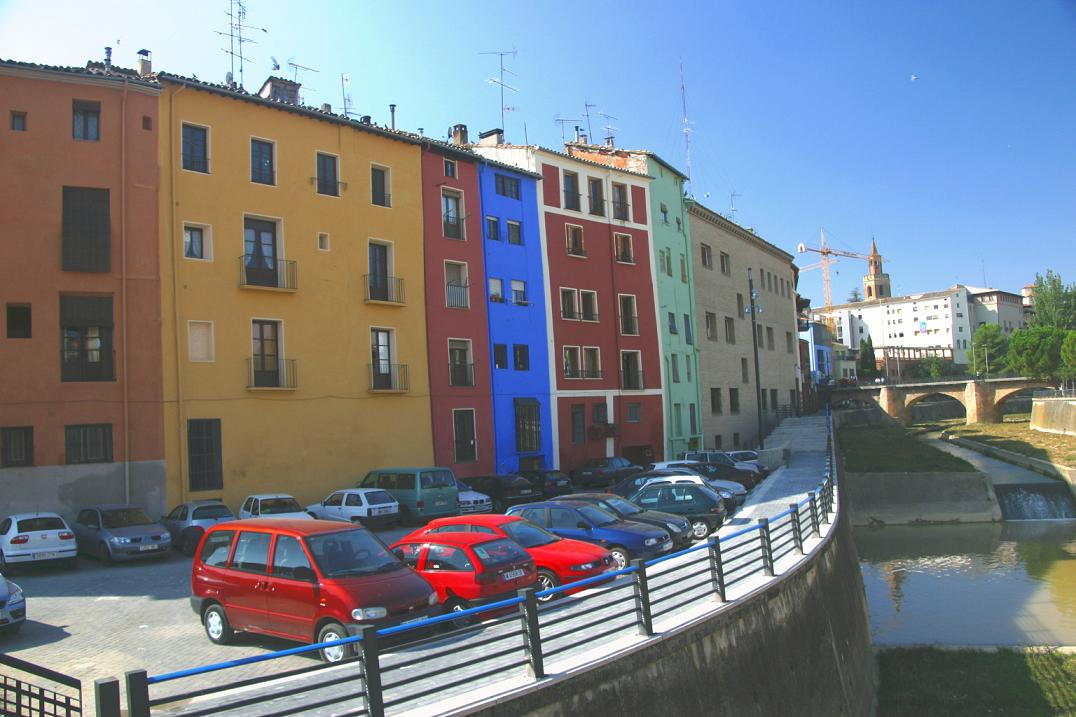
x: 1054, y: 393
x: 620, y: 210
x: 274, y: 274
x: 264, y: 372
x: 521, y: 632
x: 581, y: 372
x: 388, y: 377
x: 461, y: 374
x: 457, y: 296
x: 519, y: 298
x: 597, y: 205
x: 576, y: 249
x: 629, y: 325
x: 632, y: 380
x: 571, y: 200
x: 382, y: 200
x: 625, y: 257
x: 380, y: 287
x: 588, y: 315
x: 452, y: 227
x: 22, y: 698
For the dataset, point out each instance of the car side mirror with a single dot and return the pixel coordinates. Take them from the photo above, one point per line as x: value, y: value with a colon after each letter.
x: 305, y: 574
x: 583, y: 526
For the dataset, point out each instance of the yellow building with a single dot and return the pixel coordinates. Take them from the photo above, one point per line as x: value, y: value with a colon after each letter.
x: 292, y: 295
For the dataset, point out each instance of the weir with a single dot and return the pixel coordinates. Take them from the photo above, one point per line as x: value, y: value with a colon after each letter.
x: 1042, y: 501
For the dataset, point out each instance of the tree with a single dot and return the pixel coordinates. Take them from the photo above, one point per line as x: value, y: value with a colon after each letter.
x: 854, y: 296
x: 1068, y: 356
x: 1036, y: 352
x: 988, y: 347
x: 868, y: 366
x: 1054, y: 302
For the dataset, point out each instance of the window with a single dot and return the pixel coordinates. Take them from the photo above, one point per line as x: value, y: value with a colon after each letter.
x: 683, y: 268
x: 19, y: 321
x: 711, y: 326
x: 635, y: 412
x: 204, y: 454
x: 769, y: 338
x: 573, y: 239
x: 664, y: 214
x: 265, y: 363
x: 496, y: 290
x: 579, y: 422
x: 571, y: 191
x: 450, y: 168
x: 735, y: 440
x: 385, y: 373
x: 195, y: 148
x: 500, y: 355
x: 262, y: 170
x: 592, y: 364
x: 194, y: 244
x: 493, y: 228
x: 86, y: 334
x: 629, y: 321
x: 379, y: 187
x: 528, y: 425
x: 252, y: 552
x: 715, y: 401
x: 773, y: 398
x: 758, y: 335
x: 588, y: 301
x: 620, y: 201
x: 288, y: 555
x: 688, y: 338
x: 730, y: 330
x: 89, y: 443
x: 519, y: 292
x: 717, y: 441
x: 87, y: 230
x: 200, y: 340
x: 726, y: 264
x: 739, y: 306
x: 678, y: 420
x: 380, y: 285
x: 596, y: 196
x: 679, y: 225
x: 147, y: 122
x: 86, y: 120
x: 460, y: 364
x: 323, y: 241
x: 674, y: 363
x: 693, y: 418
x: 762, y: 393
x: 515, y: 232
x: 707, y: 256
x: 571, y: 362
x: 457, y: 286
x: 622, y: 248
x: 506, y: 186
x: 668, y: 261
x: 521, y: 357
x: 631, y: 370
x: 599, y: 413
x: 788, y: 341
x: 16, y: 446
x: 328, y: 175
x: 734, y: 400
x: 672, y: 323
x: 451, y: 219
x: 260, y: 256
x: 18, y: 121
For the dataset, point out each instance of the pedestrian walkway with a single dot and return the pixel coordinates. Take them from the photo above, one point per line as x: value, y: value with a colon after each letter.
x: 1000, y: 472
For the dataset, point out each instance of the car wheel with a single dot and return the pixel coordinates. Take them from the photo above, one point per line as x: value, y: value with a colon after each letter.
x: 5, y: 567
x: 700, y: 529
x: 189, y: 543
x: 546, y: 580
x: 621, y: 556
x: 104, y: 554
x: 217, y: 628
x: 12, y: 630
x: 329, y: 632
x: 458, y: 605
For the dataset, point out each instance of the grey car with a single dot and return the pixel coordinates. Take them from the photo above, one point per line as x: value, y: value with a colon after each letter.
x: 120, y: 532
x: 12, y: 607
x: 187, y: 522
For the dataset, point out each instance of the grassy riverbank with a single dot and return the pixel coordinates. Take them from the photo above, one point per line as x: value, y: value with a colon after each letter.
x: 1019, y: 438
x: 927, y: 682
x: 889, y: 450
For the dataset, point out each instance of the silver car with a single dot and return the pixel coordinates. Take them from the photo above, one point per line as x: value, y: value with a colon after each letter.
x: 12, y: 607
x: 187, y: 522
x: 120, y: 532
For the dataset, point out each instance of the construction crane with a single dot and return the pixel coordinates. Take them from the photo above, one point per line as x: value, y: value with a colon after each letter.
x: 828, y: 255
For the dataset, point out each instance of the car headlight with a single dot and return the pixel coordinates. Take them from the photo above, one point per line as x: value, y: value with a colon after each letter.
x: 582, y: 566
x: 724, y: 494
x: 432, y: 599
x: 121, y: 541
x: 673, y: 527
x: 652, y: 541
x: 16, y: 596
x: 369, y: 613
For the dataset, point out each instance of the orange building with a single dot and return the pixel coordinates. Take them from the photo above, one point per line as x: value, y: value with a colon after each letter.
x: 80, y: 348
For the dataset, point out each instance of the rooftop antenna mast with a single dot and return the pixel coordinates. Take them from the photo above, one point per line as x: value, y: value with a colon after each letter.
x: 608, y: 127
x: 687, y: 127
x: 732, y: 203
x: 563, y: 121
x: 501, y: 54
x: 587, y: 106
x: 237, y: 15
x: 345, y: 80
x: 295, y: 67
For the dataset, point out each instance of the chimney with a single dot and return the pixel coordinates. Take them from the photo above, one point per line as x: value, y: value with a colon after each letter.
x: 281, y: 90
x: 392, y: 116
x: 491, y: 137
x: 578, y: 133
x: 459, y: 134
x: 610, y: 142
x: 326, y: 108
x: 145, y: 63
x: 108, y: 59
x: 366, y: 119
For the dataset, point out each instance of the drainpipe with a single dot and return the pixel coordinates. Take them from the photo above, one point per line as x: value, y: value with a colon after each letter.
x: 175, y: 291
x: 123, y: 294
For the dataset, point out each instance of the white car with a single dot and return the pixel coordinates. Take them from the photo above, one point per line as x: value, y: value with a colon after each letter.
x: 12, y: 607
x: 471, y: 501
x: 272, y: 505
x: 369, y: 506
x: 36, y: 537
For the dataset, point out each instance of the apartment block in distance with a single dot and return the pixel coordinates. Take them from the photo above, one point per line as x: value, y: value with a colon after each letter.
x: 80, y: 391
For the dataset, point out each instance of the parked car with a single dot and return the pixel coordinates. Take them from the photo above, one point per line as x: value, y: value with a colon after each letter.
x: 272, y: 505
x: 12, y: 607
x: 733, y: 494
x: 722, y: 457
x: 471, y: 501
x: 551, y: 483
x: 422, y: 493
x: 112, y: 533
x: 505, y: 490
x: 678, y: 527
x: 600, y: 472
x: 188, y: 521
x: 744, y: 456
x: 36, y: 537
x: 303, y: 580
x: 558, y: 560
x: 624, y: 539
x: 632, y: 484
x: 468, y: 569
x: 718, y: 471
x: 372, y: 507
x: 699, y: 504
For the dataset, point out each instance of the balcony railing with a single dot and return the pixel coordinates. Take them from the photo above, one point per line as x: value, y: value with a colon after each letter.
x: 268, y: 372
x: 631, y: 379
x: 629, y: 325
x: 589, y: 315
x: 457, y: 296
x: 569, y: 313
x: 382, y: 200
x: 389, y: 289
x: 625, y: 257
x: 597, y: 206
x: 461, y: 374
x: 268, y: 274
x: 582, y: 372
x: 575, y: 249
x: 571, y: 199
x: 388, y: 377
x: 452, y: 226
x: 519, y: 298
x: 620, y: 210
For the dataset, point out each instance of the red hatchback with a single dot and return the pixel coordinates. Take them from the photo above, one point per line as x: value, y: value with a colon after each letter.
x: 468, y: 569
x: 559, y: 560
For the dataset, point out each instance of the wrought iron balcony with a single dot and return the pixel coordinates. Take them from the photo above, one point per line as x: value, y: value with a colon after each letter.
x: 625, y: 257
x: 461, y: 374
x: 389, y: 289
x: 582, y: 372
x: 452, y: 226
x: 388, y: 377
x: 629, y: 325
x: 268, y: 372
x: 576, y: 249
x: 381, y: 199
x: 620, y: 210
x: 457, y: 296
x: 571, y: 200
x: 519, y: 298
x: 631, y: 379
x: 257, y: 272
x: 597, y: 206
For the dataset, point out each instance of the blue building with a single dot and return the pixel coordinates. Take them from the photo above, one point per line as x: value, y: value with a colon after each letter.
x: 820, y: 349
x: 519, y: 342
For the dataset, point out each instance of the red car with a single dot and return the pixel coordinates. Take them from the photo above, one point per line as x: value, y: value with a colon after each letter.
x: 468, y: 569
x: 559, y: 560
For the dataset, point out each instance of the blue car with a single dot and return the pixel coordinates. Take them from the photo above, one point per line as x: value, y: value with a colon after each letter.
x: 624, y: 539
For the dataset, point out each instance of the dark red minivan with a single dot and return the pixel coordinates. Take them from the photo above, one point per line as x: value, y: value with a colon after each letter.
x: 304, y: 580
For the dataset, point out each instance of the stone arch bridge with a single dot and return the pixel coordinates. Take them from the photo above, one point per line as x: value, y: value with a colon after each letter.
x: 981, y: 398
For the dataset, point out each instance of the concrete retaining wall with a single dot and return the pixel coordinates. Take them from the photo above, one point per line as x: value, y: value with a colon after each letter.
x: 66, y: 489
x: 799, y: 646
x: 869, y: 417
x: 898, y: 498
x: 1019, y: 459
x: 1054, y: 415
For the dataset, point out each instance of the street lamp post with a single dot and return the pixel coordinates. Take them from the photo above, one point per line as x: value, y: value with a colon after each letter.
x: 754, y: 309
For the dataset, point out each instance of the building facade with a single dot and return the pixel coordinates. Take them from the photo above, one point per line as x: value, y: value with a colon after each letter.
x: 80, y: 393
x: 731, y: 399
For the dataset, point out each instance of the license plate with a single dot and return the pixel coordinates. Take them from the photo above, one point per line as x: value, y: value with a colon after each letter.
x: 439, y: 502
x: 667, y: 545
x: 562, y: 483
x: 513, y: 574
x: 525, y: 491
x: 381, y: 511
x: 43, y: 556
x: 414, y: 619
x: 147, y: 547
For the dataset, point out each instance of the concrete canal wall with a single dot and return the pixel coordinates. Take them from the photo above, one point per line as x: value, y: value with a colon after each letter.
x: 1054, y: 415
x: 899, y: 498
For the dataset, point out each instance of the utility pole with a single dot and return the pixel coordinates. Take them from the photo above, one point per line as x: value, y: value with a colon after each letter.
x: 753, y: 310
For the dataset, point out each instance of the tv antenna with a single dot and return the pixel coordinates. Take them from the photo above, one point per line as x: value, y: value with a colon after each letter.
x: 587, y: 106
x: 608, y: 126
x: 687, y: 125
x: 295, y: 67
x: 563, y: 121
x: 237, y: 15
x: 345, y: 80
x: 499, y: 80
x: 732, y: 203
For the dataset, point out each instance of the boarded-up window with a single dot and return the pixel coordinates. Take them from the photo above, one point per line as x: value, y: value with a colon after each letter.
x: 200, y: 340
x: 86, y: 230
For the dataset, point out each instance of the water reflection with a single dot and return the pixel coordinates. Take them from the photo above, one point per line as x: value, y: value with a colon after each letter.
x: 992, y: 583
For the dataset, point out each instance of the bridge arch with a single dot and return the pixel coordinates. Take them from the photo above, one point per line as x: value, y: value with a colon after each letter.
x: 914, y: 397
x: 1001, y: 395
x: 937, y: 406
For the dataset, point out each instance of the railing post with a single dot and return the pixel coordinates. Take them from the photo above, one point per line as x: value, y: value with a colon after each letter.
x: 717, y: 569
x: 767, y: 548
x: 797, y: 536
x: 137, y: 694
x: 824, y: 505
x: 106, y: 697
x: 642, y: 599
x: 814, y: 513
x: 532, y: 638
x: 371, y: 670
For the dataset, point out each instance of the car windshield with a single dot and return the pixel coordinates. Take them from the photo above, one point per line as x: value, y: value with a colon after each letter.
x: 125, y: 517
x: 528, y: 534
x: 623, y: 507
x: 209, y: 512
x: 721, y: 458
x: 437, y: 479
x: 349, y: 553
x: 276, y: 506
x: 596, y: 515
x: 29, y: 525
x: 460, y: 485
x: 378, y: 497
x: 498, y: 552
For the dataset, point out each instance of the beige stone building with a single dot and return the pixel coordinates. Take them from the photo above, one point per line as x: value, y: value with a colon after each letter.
x: 724, y: 252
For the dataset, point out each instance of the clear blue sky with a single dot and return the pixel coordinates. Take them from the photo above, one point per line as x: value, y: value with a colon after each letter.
x: 806, y: 109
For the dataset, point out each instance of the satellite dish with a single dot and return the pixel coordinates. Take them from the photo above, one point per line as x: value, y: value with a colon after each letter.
x: 801, y: 248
